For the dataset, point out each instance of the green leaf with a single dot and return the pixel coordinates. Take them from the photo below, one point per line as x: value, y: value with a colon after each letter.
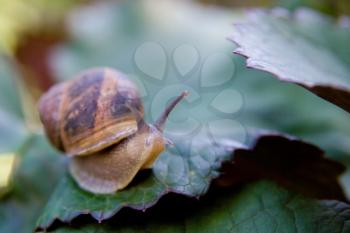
x: 12, y: 129
x: 260, y: 207
x: 12, y: 132
x: 9, y: 98
x: 305, y: 48
x: 185, y: 173
x: 36, y: 168
x: 20, y: 209
x: 292, y: 163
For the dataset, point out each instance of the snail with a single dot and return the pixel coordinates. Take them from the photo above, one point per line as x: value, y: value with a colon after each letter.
x: 97, y: 119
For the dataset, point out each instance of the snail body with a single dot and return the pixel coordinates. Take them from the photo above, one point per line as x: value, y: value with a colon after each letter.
x: 97, y: 119
x: 122, y: 166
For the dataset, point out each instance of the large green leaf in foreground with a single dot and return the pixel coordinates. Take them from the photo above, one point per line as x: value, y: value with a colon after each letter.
x: 292, y: 163
x: 259, y: 207
x: 185, y: 172
x: 305, y: 48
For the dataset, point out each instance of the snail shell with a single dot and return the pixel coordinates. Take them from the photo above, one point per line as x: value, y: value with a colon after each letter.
x: 90, y: 112
x: 99, y: 114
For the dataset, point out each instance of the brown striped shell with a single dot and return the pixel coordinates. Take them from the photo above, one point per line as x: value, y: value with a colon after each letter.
x: 90, y: 112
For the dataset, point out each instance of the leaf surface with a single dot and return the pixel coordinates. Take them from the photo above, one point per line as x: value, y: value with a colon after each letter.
x: 262, y: 207
x: 305, y: 48
x: 188, y: 174
x: 292, y: 163
x: 12, y: 128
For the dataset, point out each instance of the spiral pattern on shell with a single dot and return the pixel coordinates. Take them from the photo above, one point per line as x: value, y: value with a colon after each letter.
x: 90, y: 112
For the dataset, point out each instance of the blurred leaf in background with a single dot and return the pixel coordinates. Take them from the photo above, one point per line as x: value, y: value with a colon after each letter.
x: 28, y: 31
x: 12, y: 128
x: 36, y: 174
x: 25, y: 157
x: 9, y: 96
x: 332, y: 7
x: 19, y: 18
